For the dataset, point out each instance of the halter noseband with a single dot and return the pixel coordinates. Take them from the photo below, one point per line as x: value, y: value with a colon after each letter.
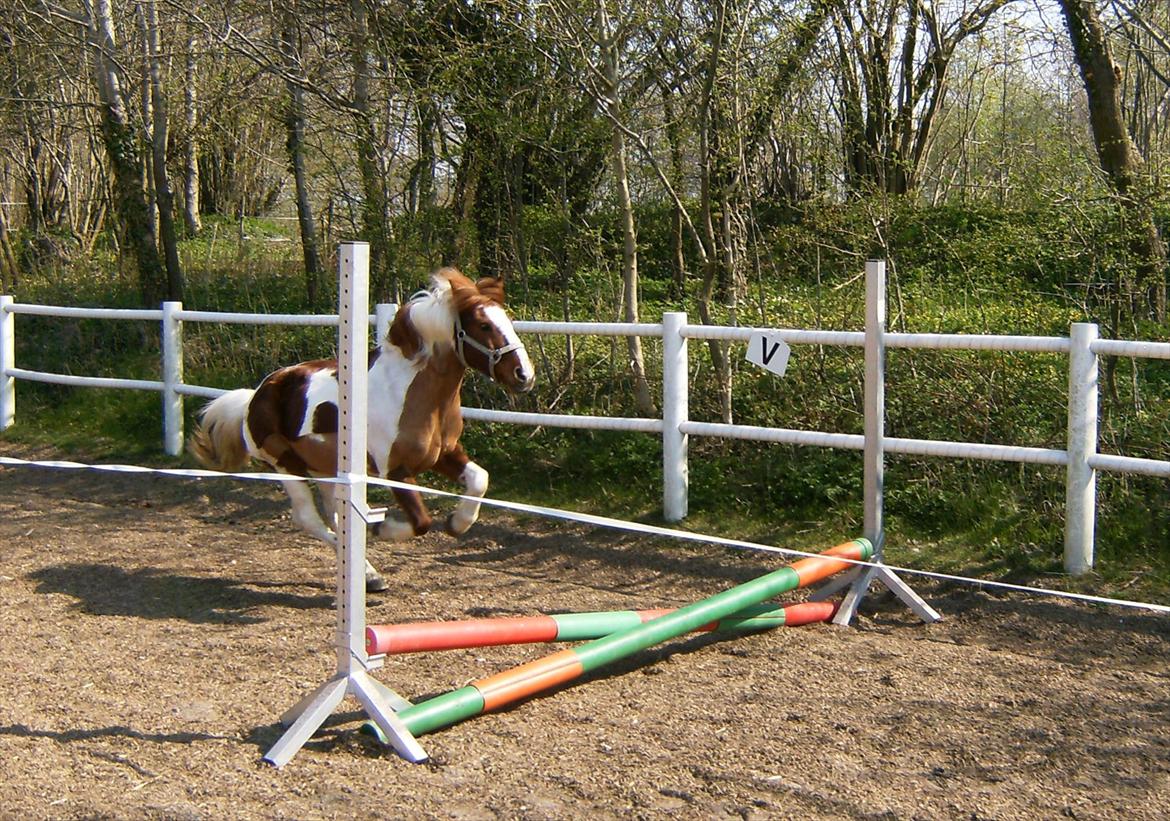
x: 494, y: 355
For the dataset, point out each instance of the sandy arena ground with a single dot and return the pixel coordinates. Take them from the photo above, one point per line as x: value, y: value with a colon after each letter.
x: 154, y: 629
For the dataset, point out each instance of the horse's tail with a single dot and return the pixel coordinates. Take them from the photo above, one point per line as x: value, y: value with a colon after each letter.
x: 218, y: 441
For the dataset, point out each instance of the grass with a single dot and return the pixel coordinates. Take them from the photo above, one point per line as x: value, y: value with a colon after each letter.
x: 988, y: 520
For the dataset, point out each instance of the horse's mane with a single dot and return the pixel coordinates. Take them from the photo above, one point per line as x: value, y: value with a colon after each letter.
x: 428, y: 318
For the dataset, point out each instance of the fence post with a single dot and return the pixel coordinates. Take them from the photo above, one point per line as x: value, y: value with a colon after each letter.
x: 172, y: 377
x: 1081, y: 483
x: 874, y: 463
x: 7, y: 363
x: 675, y: 410
x: 875, y: 403
x: 384, y: 313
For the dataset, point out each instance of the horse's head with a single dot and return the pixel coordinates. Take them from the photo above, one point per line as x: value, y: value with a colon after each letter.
x: 484, y: 336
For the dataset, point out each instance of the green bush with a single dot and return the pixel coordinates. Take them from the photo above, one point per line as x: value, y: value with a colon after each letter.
x: 974, y: 269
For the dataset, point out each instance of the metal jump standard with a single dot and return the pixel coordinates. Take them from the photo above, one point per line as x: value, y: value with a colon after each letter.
x: 353, y: 663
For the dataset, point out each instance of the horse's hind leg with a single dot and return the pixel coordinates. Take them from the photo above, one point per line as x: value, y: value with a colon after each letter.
x: 331, y: 496
x: 304, y: 511
x: 330, y: 501
x: 457, y: 466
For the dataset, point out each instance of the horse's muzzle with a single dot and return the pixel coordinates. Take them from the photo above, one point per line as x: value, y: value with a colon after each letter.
x: 522, y: 377
x: 525, y: 380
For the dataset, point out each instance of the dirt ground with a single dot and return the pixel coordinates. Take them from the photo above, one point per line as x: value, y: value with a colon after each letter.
x: 153, y: 630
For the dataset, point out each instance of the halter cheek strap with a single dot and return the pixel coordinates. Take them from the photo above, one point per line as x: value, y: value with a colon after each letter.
x: 494, y: 355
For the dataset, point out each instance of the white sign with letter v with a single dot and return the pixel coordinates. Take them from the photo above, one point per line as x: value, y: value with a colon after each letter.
x: 768, y: 351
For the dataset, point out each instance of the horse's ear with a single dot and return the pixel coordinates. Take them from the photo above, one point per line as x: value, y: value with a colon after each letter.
x: 492, y: 288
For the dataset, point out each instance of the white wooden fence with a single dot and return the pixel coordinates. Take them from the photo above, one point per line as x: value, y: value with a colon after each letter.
x: 1080, y: 458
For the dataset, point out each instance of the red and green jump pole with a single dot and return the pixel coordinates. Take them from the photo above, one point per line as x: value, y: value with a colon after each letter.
x: 520, y: 682
x: 424, y: 636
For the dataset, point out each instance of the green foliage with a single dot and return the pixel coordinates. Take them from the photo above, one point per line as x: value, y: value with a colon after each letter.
x: 980, y: 270
x: 91, y: 423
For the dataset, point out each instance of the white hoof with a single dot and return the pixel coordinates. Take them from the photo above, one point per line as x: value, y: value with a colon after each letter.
x: 394, y: 529
x: 458, y: 525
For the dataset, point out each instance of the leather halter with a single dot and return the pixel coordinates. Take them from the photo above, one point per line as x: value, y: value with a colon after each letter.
x: 494, y: 355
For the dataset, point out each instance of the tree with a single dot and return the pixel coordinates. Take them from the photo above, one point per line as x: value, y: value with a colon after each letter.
x: 121, y: 146
x: 375, y: 206
x: 1144, y: 26
x: 164, y: 196
x: 609, y: 39
x: 191, y: 213
x: 735, y: 97
x: 295, y: 124
x: 895, y: 55
x: 1120, y: 160
x: 599, y: 38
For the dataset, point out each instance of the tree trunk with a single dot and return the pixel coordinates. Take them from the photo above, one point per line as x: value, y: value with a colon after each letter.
x: 461, y: 247
x: 294, y: 123
x: 1120, y: 160
x: 32, y: 178
x: 121, y: 146
x: 146, y: 118
x: 673, y: 130
x: 191, y: 216
x: 375, y: 207
x: 9, y: 272
x: 642, y: 395
x: 421, y: 194
x: 564, y: 271
x: 708, y: 197
x: 162, y: 183
x: 611, y: 57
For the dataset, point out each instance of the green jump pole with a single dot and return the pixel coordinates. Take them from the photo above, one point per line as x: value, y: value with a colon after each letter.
x: 512, y: 685
x: 462, y: 634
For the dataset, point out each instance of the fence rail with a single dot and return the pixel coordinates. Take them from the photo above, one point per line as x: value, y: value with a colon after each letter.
x: 1080, y: 458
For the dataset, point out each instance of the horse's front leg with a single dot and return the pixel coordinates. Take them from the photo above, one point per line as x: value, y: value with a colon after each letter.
x: 418, y: 518
x: 457, y: 466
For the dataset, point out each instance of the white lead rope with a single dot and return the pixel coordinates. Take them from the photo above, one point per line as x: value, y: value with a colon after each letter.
x: 582, y: 518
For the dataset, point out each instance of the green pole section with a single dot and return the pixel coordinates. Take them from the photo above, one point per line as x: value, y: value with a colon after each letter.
x: 441, y: 711
x: 588, y: 626
x: 739, y: 622
x: 579, y: 626
x: 601, y: 652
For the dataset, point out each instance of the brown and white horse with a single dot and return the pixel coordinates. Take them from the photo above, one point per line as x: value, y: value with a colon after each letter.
x: 289, y: 422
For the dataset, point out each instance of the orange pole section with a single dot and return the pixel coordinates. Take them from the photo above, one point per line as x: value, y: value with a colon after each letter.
x: 520, y: 682
x: 815, y: 568
x: 451, y: 635
x: 809, y: 612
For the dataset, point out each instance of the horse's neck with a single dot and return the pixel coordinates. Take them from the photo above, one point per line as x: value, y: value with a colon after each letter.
x: 445, y: 371
x: 434, y: 376
x: 413, y: 403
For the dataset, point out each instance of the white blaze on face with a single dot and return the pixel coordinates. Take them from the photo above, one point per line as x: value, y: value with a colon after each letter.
x: 497, y: 316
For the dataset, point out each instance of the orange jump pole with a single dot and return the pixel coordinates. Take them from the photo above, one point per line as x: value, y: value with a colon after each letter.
x: 423, y: 636
x: 512, y: 685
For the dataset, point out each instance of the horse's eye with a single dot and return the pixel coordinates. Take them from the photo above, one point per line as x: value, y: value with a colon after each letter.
x: 485, y: 327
